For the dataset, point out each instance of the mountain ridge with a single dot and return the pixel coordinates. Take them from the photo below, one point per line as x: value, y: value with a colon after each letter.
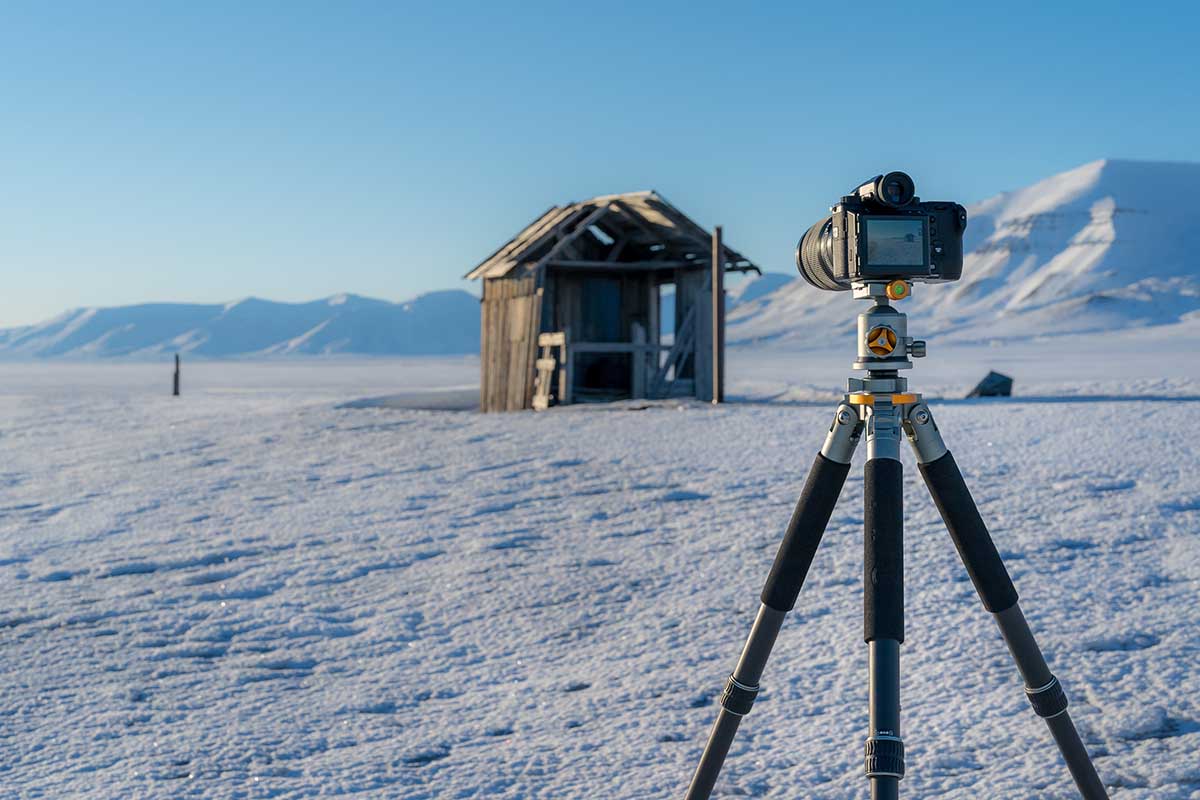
x: 1108, y: 244
x: 251, y: 326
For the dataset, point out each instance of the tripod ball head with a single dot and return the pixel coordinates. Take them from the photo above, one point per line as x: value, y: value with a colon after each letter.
x: 883, y: 340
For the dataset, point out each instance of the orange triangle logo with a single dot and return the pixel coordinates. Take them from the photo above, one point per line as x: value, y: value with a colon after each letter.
x: 881, y: 341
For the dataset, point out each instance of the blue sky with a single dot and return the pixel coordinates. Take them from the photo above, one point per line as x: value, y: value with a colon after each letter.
x: 210, y: 151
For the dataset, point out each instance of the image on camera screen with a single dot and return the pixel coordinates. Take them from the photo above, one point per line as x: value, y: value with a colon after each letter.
x: 896, y: 242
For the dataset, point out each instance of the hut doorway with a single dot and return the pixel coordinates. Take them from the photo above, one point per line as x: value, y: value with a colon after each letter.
x: 601, y: 318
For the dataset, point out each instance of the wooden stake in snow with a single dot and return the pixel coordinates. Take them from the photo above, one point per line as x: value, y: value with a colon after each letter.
x: 176, y: 391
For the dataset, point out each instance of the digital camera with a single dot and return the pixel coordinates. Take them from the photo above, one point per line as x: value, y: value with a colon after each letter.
x: 883, y: 232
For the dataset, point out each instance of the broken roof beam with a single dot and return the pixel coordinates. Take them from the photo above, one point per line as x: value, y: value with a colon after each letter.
x: 618, y: 246
x: 541, y: 232
x: 566, y: 241
x: 633, y: 216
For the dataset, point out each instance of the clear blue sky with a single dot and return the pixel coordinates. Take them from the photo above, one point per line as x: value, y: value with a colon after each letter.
x: 291, y: 150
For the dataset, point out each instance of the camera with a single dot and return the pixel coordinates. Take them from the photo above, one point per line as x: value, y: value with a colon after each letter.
x: 883, y: 232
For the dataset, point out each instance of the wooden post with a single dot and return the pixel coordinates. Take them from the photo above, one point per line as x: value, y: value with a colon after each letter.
x: 718, y: 313
x: 176, y: 385
x: 637, y: 361
x: 567, y: 376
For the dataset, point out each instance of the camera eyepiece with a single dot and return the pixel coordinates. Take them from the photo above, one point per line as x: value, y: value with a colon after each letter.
x: 895, y: 189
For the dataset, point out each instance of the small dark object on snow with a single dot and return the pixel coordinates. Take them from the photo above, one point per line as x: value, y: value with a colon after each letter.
x: 993, y: 385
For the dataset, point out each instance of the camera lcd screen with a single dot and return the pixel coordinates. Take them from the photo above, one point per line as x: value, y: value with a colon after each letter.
x: 893, y: 242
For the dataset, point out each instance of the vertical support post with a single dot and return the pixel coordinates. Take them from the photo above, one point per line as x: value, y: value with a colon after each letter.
x: 718, y: 314
x: 637, y: 361
x: 567, y: 377
x: 175, y: 388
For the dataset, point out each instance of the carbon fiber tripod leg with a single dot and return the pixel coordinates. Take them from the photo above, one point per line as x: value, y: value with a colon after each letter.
x: 792, y: 562
x: 999, y: 596
x: 883, y: 596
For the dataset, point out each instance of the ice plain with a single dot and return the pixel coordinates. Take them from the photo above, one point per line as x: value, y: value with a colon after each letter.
x: 256, y: 591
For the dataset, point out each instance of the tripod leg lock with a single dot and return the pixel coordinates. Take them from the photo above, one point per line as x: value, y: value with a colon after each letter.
x: 885, y: 757
x: 1048, y: 701
x: 738, y: 698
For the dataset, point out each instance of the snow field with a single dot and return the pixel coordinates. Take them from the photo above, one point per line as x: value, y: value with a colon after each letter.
x: 245, y: 594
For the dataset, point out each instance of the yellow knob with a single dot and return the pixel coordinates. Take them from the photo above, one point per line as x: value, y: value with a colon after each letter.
x: 897, y: 290
x: 881, y: 341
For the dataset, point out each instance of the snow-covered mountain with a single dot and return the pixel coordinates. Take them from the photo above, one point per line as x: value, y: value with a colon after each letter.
x: 750, y: 289
x: 1110, y: 244
x: 755, y: 287
x: 445, y: 322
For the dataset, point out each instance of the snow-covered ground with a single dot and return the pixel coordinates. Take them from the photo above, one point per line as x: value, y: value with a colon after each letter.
x: 253, y: 591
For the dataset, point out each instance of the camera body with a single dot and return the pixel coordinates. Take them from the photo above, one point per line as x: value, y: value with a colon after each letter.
x: 918, y: 242
x: 883, y: 232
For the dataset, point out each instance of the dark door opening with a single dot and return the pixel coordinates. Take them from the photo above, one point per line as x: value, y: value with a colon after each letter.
x: 602, y: 377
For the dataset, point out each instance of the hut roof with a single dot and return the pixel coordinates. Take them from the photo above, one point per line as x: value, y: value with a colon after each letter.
x: 638, y: 230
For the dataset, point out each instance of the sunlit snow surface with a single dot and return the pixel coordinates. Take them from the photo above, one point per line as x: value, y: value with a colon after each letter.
x: 251, y: 591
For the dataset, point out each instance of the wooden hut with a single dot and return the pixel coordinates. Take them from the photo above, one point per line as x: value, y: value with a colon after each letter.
x: 573, y: 306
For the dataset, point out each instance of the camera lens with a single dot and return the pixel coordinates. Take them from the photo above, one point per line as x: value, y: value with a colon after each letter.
x: 814, y: 256
x: 895, y: 189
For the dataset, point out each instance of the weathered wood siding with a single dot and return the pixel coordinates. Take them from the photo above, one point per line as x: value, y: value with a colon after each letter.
x: 510, y: 322
x: 603, y: 312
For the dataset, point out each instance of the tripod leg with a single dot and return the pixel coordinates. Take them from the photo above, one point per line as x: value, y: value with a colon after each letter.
x: 792, y: 562
x: 883, y: 596
x: 999, y: 596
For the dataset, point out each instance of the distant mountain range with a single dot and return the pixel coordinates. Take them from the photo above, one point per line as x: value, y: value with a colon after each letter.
x: 437, y: 323
x: 1108, y: 245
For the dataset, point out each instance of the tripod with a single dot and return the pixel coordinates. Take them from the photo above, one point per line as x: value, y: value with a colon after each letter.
x: 881, y: 406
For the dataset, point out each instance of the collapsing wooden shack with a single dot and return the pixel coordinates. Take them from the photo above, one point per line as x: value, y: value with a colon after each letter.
x: 604, y: 300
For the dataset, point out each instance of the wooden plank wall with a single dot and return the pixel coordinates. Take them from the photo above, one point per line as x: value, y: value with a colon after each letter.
x: 510, y: 323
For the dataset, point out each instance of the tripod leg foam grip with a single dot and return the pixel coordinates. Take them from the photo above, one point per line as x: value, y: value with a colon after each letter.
x: 883, y: 556
x: 970, y: 535
x: 804, y: 533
